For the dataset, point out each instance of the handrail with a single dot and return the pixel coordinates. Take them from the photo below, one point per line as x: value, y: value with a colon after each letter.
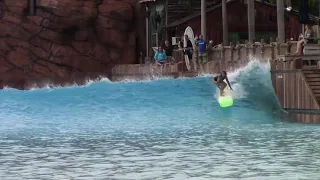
x: 303, y: 111
x: 284, y: 71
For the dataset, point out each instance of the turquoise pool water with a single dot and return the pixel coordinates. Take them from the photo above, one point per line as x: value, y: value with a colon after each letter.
x: 160, y: 129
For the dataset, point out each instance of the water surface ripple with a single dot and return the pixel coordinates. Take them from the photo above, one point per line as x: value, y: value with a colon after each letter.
x: 165, y: 129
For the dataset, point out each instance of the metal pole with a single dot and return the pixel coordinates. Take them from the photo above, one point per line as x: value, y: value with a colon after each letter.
x: 32, y: 7
x: 225, y: 22
x: 166, y: 8
x: 203, y: 19
x: 280, y: 20
x: 157, y: 40
x: 288, y: 3
x: 319, y: 8
x: 147, y: 32
x: 251, y: 20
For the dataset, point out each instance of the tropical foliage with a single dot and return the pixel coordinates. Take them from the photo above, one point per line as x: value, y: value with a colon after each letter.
x: 313, y: 4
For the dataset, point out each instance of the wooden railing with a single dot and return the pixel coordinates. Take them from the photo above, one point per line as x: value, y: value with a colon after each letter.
x: 241, y: 52
x: 219, y: 57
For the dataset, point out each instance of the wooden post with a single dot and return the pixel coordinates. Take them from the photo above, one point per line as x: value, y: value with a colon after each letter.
x: 147, y: 31
x: 203, y: 19
x: 278, y: 48
x: 247, y: 53
x: 231, y: 54
x: 254, y: 48
x: 251, y: 20
x: 319, y: 9
x: 288, y: 49
x: 272, y: 48
x: 166, y: 8
x: 222, y: 58
x: 262, y: 49
x: 225, y: 22
x: 280, y: 20
x: 238, y: 48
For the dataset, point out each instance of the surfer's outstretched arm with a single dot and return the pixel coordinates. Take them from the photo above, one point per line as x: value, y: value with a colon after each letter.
x: 229, y: 83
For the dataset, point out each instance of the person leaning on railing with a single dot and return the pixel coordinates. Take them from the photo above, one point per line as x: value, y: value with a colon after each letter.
x: 160, y: 56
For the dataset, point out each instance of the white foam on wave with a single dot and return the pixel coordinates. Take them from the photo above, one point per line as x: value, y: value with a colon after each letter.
x: 238, y: 92
x: 147, y: 78
x: 89, y: 82
x: 51, y: 86
x: 244, y: 72
x: 239, y: 74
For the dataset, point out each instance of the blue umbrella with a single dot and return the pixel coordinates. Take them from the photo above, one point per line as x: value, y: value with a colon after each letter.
x: 304, y: 12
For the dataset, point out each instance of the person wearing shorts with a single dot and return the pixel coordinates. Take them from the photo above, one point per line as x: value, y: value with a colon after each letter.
x: 202, y: 49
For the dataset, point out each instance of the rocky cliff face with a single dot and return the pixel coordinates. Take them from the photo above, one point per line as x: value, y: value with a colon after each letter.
x: 66, y: 41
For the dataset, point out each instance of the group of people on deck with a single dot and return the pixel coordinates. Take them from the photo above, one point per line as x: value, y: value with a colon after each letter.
x: 196, y: 52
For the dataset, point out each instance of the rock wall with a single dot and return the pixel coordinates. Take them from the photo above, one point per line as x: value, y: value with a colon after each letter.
x: 67, y: 41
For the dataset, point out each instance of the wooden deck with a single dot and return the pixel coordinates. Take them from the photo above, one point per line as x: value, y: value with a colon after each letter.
x: 296, y: 80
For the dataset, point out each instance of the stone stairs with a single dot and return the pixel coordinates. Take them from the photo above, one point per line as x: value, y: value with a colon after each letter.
x: 313, y: 78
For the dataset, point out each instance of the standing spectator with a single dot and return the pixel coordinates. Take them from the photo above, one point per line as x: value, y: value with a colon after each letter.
x: 202, y: 47
x: 189, y: 48
x: 195, y: 55
x: 160, y: 56
x: 168, y: 50
x: 180, y: 44
x: 188, y: 51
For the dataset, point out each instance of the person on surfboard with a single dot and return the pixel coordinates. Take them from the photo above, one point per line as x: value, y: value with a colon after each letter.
x: 219, y: 81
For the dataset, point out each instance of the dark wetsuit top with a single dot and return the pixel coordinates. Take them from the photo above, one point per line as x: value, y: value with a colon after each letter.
x: 220, y: 78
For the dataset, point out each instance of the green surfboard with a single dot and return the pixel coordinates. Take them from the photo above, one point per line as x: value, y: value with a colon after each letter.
x: 226, y: 100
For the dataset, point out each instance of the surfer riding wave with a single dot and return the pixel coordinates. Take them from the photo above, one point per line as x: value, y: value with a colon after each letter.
x: 219, y: 81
